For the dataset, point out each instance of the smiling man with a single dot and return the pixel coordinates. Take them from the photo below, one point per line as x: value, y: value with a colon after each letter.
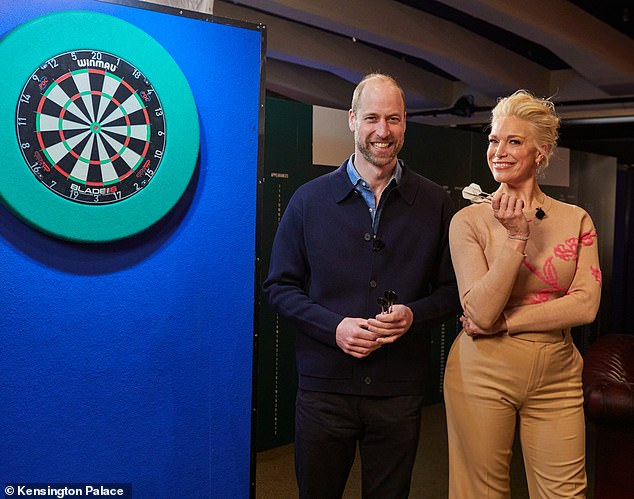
x: 377, y: 118
x: 372, y: 232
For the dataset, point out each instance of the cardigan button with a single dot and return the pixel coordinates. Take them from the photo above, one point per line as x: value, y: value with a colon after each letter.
x: 373, y: 284
x: 367, y: 380
x: 367, y: 236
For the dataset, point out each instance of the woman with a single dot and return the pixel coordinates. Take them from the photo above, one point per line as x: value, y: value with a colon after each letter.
x: 527, y: 269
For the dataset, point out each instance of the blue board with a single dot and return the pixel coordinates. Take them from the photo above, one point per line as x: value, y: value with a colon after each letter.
x: 131, y: 361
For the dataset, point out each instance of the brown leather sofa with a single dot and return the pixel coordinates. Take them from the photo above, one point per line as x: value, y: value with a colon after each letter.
x: 608, y: 385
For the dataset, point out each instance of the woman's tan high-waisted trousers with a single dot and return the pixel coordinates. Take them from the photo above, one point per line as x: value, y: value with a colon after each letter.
x: 492, y: 383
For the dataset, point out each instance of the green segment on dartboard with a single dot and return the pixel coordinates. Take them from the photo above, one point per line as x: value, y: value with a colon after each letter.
x: 103, y: 132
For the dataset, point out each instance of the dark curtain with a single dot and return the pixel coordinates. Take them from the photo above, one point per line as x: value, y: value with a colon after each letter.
x: 623, y: 270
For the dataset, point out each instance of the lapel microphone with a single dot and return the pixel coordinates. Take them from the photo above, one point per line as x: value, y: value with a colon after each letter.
x: 539, y: 213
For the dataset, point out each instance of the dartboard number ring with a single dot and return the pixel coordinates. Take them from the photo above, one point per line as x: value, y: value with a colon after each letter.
x: 99, y: 127
x: 91, y: 127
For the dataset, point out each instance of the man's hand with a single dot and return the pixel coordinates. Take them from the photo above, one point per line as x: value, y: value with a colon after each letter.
x: 391, y: 326
x: 353, y: 337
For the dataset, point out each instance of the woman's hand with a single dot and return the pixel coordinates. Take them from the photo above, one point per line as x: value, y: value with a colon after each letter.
x: 473, y: 330
x: 507, y: 209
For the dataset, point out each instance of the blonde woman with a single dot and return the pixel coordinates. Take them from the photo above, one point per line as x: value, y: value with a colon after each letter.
x: 527, y: 269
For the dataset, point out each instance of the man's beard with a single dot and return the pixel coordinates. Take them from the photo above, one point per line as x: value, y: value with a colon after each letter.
x: 374, y: 159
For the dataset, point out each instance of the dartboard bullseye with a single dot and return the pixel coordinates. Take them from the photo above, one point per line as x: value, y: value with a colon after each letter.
x: 91, y: 127
x: 98, y: 125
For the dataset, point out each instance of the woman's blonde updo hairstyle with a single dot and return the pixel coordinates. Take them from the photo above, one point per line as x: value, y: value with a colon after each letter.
x: 541, y: 115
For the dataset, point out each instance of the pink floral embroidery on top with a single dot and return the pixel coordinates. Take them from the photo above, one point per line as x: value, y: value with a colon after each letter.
x: 566, y: 252
x: 587, y: 238
x: 596, y: 272
x: 549, y: 275
x: 540, y: 296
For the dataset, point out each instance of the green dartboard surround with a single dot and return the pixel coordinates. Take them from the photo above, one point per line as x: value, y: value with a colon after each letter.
x: 104, y: 148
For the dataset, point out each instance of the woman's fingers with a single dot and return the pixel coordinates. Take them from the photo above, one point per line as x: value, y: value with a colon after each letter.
x: 508, y: 210
x: 507, y: 205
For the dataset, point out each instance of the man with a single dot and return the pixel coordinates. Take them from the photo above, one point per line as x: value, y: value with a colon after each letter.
x: 348, y: 241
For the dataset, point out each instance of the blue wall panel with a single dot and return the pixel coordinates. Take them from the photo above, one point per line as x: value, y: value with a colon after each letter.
x: 131, y: 361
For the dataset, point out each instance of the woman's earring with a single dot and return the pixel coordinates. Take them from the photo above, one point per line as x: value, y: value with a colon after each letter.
x: 540, y: 165
x: 539, y: 162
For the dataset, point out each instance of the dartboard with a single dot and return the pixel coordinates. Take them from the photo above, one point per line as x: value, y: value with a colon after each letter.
x: 91, y: 127
x: 98, y: 124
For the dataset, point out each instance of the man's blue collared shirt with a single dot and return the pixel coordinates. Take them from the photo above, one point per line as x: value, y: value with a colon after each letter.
x: 364, y: 189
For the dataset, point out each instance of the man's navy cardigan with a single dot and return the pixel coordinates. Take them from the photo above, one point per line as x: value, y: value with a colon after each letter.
x: 327, y: 265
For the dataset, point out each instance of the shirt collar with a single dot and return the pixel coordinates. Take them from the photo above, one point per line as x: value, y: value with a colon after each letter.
x: 355, y: 178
